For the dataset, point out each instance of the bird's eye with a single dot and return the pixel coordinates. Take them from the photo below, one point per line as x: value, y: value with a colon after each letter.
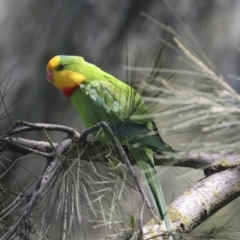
x: 61, y: 66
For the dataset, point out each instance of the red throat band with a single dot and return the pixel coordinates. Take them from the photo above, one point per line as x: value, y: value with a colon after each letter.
x: 69, y: 91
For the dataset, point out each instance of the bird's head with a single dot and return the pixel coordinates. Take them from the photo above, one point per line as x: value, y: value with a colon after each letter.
x: 65, y: 72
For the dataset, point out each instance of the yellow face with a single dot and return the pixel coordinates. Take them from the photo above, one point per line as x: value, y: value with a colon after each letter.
x: 60, y: 76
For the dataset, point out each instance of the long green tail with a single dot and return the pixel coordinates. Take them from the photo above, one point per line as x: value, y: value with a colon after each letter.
x: 144, y: 159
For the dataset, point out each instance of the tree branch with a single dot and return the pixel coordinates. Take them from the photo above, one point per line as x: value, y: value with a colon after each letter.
x: 198, y: 203
x: 190, y: 159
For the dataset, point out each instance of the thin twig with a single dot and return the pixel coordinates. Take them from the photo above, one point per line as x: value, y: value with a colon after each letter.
x: 40, y: 126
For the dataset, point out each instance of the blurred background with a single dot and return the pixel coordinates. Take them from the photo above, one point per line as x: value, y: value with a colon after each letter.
x: 32, y: 32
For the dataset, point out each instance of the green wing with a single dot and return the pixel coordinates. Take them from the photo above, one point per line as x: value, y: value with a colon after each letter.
x: 115, y: 99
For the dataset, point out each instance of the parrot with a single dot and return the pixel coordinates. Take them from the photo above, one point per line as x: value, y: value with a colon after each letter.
x: 98, y: 96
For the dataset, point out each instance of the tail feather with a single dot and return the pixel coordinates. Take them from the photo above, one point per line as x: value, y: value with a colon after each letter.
x: 144, y: 159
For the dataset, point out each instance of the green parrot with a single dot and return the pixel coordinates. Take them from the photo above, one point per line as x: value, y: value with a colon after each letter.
x: 99, y: 96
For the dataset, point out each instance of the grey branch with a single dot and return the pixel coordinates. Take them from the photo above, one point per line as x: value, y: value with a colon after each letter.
x: 197, y: 160
x: 180, y: 159
x: 198, y: 203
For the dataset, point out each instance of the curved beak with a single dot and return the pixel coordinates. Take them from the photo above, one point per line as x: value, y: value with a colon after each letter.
x: 49, y: 76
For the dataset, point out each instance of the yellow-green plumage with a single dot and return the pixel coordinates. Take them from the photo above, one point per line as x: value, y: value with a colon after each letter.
x: 98, y: 96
